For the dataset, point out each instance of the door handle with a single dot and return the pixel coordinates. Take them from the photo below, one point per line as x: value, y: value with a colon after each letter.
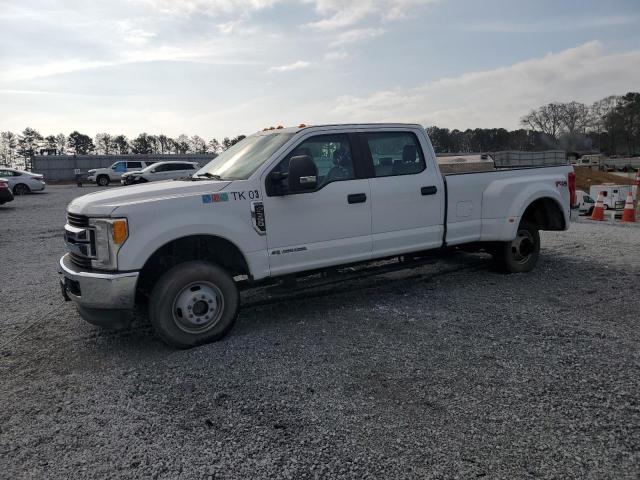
x: 432, y: 190
x: 357, y: 198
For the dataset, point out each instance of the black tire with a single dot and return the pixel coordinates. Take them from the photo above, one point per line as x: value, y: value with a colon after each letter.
x: 21, y: 189
x: 521, y: 254
x: 590, y: 212
x: 174, y: 302
x: 103, y: 180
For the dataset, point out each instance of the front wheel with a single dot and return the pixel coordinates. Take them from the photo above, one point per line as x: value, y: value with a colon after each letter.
x: 103, y: 180
x: 193, y: 303
x: 521, y: 254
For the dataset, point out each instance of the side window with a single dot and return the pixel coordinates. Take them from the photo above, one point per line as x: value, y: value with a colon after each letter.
x: 331, y: 154
x: 395, y: 153
x: 6, y: 173
x: 134, y: 164
x: 163, y: 168
x: 119, y: 167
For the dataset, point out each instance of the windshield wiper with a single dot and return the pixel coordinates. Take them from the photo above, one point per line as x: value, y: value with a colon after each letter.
x: 207, y: 175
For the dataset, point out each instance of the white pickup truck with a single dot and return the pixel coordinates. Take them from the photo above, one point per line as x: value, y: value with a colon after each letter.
x: 286, y: 202
x: 104, y: 176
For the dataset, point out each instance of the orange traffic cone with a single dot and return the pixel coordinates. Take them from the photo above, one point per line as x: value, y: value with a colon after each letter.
x: 598, y: 210
x: 629, y: 212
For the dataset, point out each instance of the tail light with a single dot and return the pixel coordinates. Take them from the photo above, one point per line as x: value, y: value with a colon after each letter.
x: 572, y: 188
x: 4, y: 184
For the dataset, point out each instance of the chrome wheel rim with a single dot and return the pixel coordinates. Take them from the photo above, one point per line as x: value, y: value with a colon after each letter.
x: 523, y: 246
x: 198, y: 307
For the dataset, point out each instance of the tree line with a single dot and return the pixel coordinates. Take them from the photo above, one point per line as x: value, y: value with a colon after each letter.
x: 30, y: 142
x: 610, y: 125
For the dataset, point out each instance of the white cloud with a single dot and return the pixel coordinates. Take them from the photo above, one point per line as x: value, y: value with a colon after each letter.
x: 355, y: 35
x: 188, y: 7
x: 132, y: 34
x: 341, y: 13
x: 336, y: 56
x: 498, y: 98
x: 300, y: 64
x: 552, y: 24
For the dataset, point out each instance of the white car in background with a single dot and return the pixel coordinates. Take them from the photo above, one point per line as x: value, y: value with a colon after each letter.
x: 104, y: 176
x: 21, y: 182
x: 585, y: 202
x: 160, y: 171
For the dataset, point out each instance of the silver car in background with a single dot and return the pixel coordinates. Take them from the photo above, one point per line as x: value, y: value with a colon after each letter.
x: 160, y: 171
x: 21, y: 182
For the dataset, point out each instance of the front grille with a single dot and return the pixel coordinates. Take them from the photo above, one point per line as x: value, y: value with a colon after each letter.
x: 80, y: 261
x: 81, y: 244
x: 77, y: 220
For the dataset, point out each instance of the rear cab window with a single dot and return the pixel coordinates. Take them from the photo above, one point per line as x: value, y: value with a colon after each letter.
x: 395, y: 153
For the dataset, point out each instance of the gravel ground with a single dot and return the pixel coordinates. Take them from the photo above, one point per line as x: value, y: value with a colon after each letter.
x: 444, y: 371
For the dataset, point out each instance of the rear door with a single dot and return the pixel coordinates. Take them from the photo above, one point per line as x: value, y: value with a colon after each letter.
x: 134, y: 166
x: 406, y: 201
x: 327, y: 226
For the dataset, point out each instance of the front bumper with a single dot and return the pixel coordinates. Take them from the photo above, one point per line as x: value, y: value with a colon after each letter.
x: 91, y: 178
x: 100, y: 290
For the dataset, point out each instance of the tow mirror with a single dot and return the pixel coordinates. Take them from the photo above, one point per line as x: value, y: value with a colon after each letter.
x: 303, y: 174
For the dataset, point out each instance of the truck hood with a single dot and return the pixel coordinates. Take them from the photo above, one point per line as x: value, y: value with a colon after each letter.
x: 103, y: 203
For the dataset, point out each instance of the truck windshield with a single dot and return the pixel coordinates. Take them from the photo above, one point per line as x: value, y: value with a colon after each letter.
x: 244, y: 158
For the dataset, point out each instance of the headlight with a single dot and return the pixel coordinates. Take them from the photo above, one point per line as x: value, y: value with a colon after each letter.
x: 91, y: 172
x: 110, y: 234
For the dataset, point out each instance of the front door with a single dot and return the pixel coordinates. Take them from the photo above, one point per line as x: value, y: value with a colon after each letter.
x: 326, y: 226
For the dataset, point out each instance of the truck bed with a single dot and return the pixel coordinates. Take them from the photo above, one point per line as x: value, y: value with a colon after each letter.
x: 476, y: 209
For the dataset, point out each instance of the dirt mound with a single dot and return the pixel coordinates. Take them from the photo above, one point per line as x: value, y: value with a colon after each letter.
x: 585, y: 177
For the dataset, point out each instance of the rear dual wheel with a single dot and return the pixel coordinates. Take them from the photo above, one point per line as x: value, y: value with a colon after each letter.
x: 521, y: 254
x: 193, y: 303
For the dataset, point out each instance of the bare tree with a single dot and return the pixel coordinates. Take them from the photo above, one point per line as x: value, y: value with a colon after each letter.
x: 61, y: 143
x: 8, y: 145
x: 546, y: 119
x: 104, y: 143
x: 214, y: 147
x: 197, y: 144
x: 575, y: 117
x: 164, y: 143
x: 121, y: 144
x: 182, y: 144
x: 600, y: 110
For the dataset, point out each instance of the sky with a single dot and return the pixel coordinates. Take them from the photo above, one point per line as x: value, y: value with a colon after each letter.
x: 220, y: 68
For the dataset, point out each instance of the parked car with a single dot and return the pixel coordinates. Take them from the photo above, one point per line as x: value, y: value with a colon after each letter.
x: 160, y: 171
x: 5, y: 192
x: 21, y: 182
x: 585, y: 202
x: 104, y: 176
x: 292, y: 202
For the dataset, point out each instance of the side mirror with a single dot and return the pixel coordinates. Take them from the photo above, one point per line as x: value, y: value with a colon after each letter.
x: 303, y: 174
